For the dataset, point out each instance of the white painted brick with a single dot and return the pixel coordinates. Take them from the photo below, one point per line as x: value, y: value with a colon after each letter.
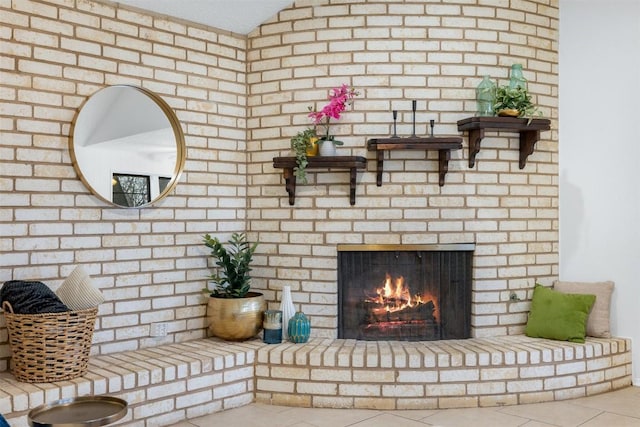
x: 403, y: 390
x: 166, y: 390
x: 537, y: 371
x: 486, y: 388
x: 616, y: 372
x: 560, y: 382
x: 317, y: 388
x: 460, y: 375
x: 524, y: 386
x: 370, y: 390
x: 445, y: 389
x: 498, y: 374
x: 275, y: 386
x: 417, y: 376
x: 153, y: 408
x: 572, y: 393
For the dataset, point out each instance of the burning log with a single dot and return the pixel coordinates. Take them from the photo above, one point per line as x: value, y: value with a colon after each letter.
x: 391, y: 311
x: 416, y: 313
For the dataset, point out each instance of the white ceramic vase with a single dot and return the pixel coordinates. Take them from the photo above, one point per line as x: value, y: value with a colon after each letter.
x: 327, y: 148
x: 288, y: 310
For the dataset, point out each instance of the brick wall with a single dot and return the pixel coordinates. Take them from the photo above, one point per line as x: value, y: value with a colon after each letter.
x: 57, y: 53
x: 149, y: 263
x: 393, y: 52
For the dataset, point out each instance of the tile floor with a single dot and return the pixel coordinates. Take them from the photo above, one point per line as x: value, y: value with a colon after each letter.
x: 616, y: 409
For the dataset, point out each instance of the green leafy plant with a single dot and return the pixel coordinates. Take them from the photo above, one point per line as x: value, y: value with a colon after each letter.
x: 515, y: 99
x: 232, y: 278
x: 300, y: 143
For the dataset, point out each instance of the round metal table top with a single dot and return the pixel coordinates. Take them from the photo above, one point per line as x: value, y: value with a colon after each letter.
x: 84, y: 411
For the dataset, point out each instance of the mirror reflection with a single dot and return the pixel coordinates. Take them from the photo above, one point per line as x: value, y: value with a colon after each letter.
x: 127, y: 146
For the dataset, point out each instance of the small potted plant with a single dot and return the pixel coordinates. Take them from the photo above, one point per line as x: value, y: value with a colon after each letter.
x: 303, y: 144
x: 514, y: 102
x: 233, y: 311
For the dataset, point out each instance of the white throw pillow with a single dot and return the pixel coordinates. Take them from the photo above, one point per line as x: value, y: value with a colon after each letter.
x: 599, y: 322
x: 77, y: 291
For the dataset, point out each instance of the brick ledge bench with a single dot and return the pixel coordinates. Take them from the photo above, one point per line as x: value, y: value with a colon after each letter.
x: 495, y: 371
x: 167, y: 384
x: 163, y: 385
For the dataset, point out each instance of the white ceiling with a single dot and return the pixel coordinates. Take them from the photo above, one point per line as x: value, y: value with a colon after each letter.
x: 238, y: 16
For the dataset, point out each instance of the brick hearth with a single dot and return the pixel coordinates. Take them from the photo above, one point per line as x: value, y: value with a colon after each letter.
x: 493, y: 371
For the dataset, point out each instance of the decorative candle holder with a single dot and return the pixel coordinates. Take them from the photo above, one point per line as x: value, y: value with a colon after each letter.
x: 414, y: 105
x: 395, y: 117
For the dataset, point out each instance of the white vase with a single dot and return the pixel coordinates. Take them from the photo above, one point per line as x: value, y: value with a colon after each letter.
x: 327, y: 148
x: 288, y: 310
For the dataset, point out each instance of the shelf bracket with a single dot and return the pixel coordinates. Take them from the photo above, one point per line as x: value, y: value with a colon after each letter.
x: 475, y: 136
x: 379, y: 167
x: 443, y: 157
x: 352, y: 186
x: 528, y: 141
x: 290, y: 184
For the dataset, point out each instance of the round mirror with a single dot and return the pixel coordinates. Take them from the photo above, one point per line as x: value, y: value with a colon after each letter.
x: 127, y: 146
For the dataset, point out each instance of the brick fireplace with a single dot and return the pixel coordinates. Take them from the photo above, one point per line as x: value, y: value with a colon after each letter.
x: 411, y: 52
x: 404, y: 292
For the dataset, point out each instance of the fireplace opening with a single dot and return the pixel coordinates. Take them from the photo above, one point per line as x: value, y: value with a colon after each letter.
x: 404, y: 292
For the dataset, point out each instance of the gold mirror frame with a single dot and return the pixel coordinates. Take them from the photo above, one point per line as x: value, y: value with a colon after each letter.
x: 80, y: 121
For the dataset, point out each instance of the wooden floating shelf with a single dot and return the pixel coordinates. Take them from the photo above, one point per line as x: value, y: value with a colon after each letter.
x: 529, y: 130
x: 352, y: 163
x: 444, y: 145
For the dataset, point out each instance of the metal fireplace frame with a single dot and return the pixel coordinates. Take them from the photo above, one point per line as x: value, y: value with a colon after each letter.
x: 463, y: 330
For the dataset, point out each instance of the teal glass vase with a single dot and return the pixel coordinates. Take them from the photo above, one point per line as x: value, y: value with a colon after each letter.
x: 516, y: 79
x: 485, y: 97
x: 299, y: 328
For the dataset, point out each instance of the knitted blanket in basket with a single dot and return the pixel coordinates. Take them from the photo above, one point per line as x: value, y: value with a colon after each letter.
x: 31, y: 297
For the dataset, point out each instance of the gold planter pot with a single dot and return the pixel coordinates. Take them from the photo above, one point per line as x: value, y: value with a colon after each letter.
x: 508, y: 112
x: 236, y: 319
x: 313, y: 150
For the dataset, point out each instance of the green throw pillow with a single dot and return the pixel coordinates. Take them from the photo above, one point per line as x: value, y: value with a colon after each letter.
x: 558, y: 316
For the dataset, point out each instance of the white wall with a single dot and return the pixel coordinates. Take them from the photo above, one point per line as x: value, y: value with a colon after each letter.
x: 600, y: 153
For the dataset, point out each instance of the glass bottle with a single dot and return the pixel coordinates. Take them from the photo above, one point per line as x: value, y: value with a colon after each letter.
x: 485, y: 97
x: 516, y: 79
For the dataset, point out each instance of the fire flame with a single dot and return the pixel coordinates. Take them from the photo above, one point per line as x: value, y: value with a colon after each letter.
x: 396, y: 296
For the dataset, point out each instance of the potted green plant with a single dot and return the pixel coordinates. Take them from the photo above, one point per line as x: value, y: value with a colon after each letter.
x: 302, y: 144
x: 514, y: 102
x: 233, y: 311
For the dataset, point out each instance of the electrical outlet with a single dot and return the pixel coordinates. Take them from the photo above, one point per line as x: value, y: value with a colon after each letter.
x: 158, y: 330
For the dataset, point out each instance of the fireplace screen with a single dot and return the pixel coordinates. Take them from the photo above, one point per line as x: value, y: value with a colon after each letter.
x: 405, y: 293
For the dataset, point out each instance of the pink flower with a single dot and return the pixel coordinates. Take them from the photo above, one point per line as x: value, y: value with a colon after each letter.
x: 339, y: 98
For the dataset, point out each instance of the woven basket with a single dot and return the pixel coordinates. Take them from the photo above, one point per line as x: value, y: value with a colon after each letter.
x: 50, y: 347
